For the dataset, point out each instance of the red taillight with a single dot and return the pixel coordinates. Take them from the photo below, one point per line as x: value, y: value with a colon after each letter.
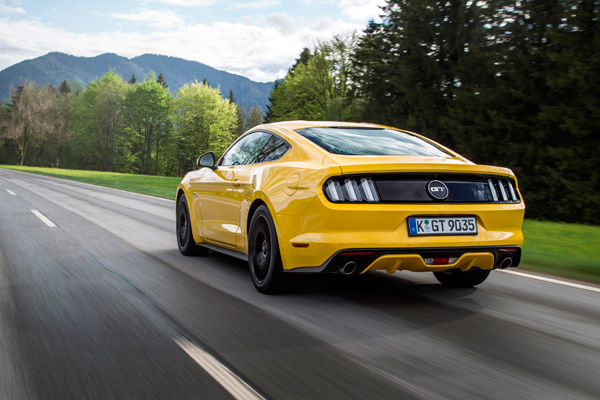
x: 357, y: 253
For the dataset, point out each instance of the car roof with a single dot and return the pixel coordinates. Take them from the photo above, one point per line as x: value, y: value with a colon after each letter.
x: 295, y: 125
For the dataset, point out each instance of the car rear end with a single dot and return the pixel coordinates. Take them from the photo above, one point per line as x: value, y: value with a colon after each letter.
x: 410, y: 212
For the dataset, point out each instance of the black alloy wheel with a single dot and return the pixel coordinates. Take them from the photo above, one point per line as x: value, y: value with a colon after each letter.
x: 185, y: 239
x: 458, y: 278
x: 264, y: 259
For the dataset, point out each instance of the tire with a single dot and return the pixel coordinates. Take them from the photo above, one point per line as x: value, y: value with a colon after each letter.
x: 264, y: 258
x: 185, y: 239
x: 458, y: 278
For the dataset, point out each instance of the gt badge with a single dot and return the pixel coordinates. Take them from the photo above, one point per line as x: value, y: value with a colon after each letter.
x: 437, y: 190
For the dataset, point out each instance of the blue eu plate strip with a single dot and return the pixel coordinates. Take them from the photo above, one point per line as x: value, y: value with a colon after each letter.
x: 413, y: 226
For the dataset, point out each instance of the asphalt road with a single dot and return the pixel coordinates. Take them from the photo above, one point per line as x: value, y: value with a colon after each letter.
x: 102, y: 306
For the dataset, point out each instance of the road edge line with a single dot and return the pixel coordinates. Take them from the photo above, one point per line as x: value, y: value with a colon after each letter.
x: 552, y: 280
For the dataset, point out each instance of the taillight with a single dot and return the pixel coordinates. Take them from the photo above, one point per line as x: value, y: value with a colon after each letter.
x: 440, y: 260
x: 503, y: 190
x: 351, y: 190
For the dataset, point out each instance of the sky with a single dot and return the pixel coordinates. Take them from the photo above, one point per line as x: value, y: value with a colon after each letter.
x: 258, y: 39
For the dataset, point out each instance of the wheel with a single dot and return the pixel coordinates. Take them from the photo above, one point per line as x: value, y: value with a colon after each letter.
x: 264, y: 259
x: 458, y: 278
x: 185, y: 239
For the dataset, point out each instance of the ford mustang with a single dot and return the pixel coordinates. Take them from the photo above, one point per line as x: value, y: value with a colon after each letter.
x: 314, y: 197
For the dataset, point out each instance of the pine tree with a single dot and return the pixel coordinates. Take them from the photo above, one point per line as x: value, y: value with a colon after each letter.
x: 64, y: 88
x: 133, y: 80
x: 305, y: 56
x: 161, y: 80
x: 269, y: 116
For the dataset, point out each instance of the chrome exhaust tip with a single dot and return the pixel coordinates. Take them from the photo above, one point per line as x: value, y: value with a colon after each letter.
x: 349, y: 268
x: 507, y: 262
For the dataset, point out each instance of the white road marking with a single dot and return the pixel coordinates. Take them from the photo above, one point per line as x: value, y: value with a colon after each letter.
x: 557, y: 281
x: 11, y: 192
x: 226, y: 378
x: 43, y: 218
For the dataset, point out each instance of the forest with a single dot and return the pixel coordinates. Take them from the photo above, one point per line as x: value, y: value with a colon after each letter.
x: 119, y: 126
x: 513, y: 83
x: 509, y: 83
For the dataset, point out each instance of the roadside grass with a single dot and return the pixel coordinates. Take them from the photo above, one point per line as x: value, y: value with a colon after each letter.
x: 568, y: 250
x: 159, y: 186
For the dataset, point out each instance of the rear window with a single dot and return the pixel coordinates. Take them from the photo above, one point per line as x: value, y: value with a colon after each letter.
x: 371, y: 142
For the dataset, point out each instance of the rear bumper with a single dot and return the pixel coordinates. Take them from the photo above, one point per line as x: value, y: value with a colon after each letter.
x: 410, y: 259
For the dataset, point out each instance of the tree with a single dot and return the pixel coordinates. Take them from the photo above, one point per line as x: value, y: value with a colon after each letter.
x: 510, y: 83
x: 37, y: 120
x: 204, y: 121
x: 132, y: 80
x: 255, y: 117
x: 103, y: 124
x: 409, y: 67
x: 64, y: 117
x: 240, y: 125
x: 29, y: 121
x: 305, y: 56
x: 161, y: 80
x: 569, y: 113
x: 270, y: 116
x: 64, y: 88
x: 17, y: 125
x: 148, y: 106
x: 316, y: 86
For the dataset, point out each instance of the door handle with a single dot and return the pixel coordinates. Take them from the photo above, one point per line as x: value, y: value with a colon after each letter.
x: 236, y: 182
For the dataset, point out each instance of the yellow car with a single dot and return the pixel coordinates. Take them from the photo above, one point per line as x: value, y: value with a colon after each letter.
x: 312, y: 197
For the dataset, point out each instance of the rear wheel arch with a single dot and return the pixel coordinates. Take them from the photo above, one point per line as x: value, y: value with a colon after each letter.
x: 264, y: 258
x: 180, y: 193
x: 184, y: 229
x: 255, y: 204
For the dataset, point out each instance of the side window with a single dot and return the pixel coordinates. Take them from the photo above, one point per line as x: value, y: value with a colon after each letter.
x: 275, y: 148
x: 246, y: 150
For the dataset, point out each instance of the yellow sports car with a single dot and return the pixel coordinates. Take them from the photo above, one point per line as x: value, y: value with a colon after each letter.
x: 311, y: 197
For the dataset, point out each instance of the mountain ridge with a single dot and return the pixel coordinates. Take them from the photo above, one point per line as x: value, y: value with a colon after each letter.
x: 55, y: 67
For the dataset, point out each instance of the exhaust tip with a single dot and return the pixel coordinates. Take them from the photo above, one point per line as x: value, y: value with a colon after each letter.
x: 506, y: 262
x: 349, y: 268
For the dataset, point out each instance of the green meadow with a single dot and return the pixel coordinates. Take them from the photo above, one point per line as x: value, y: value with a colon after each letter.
x: 563, y: 249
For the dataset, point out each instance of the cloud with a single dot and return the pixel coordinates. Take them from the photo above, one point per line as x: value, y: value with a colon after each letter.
x: 361, y: 10
x: 185, y: 3
x: 256, y: 4
x: 161, y: 19
x: 6, y: 9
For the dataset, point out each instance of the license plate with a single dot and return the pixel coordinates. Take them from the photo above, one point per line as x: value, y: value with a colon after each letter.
x: 432, y: 226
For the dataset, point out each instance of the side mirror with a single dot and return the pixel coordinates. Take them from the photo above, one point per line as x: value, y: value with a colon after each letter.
x: 206, y: 160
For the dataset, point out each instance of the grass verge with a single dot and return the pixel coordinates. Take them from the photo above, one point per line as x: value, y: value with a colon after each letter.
x: 159, y: 186
x: 569, y: 250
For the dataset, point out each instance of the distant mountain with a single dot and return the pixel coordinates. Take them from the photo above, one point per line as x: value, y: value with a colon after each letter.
x: 54, y: 68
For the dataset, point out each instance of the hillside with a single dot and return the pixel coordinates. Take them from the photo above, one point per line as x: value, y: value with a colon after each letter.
x: 53, y: 68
